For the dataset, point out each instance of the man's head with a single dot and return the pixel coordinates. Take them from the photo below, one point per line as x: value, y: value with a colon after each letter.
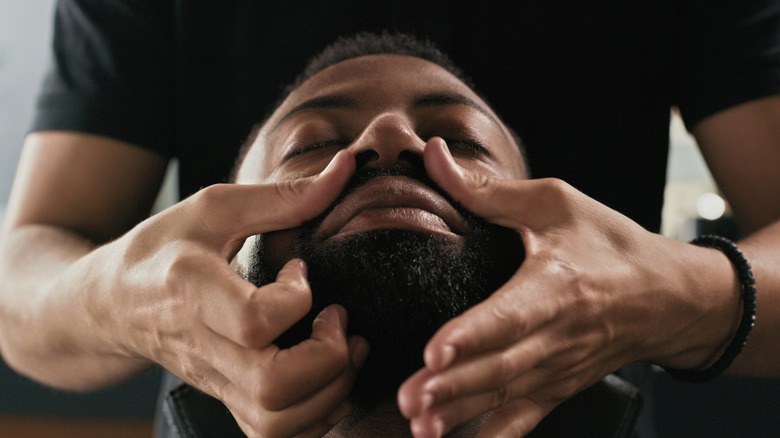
x: 394, y: 249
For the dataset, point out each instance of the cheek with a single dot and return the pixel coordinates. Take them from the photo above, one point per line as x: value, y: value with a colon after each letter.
x: 279, y: 248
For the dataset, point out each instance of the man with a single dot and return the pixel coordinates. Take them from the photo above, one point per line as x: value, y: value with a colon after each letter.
x: 393, y: 248
x: 91, y: 296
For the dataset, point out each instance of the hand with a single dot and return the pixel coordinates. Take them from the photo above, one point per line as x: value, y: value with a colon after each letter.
x: 181, y: 305
x: 590, y: 297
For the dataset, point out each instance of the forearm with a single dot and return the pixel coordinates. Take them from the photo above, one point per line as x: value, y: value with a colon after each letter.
x: 49, y: 326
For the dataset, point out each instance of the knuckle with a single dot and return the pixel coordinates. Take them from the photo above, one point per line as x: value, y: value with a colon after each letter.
x: 290, y: 192
x: 339, y: 353
x: 556, y: 189
x: 211, y: 196
x: 558, y: 196
x: 505, y: 370
x: 270, y: 394
x: 211, y: 210
x: 250, y: 329
x: 501, y: 396
x: 480, y: 182
x: 334, y: 355
x: 258, y: 425
x: 207, y: 200
x: 298, y: 297
x: 292, y: 195
x: 251, y: 323
x: 507, y: 313
x: 182, y: 264
x: 266, y: 396
x: 272, y: 402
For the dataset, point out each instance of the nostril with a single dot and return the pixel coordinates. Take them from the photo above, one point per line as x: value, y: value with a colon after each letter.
x: 364, y: 157
x: 412, y: 158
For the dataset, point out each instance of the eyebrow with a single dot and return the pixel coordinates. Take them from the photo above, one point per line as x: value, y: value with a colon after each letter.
x: 442, y: 99
x: 338, y: 101
x: 323, y: 102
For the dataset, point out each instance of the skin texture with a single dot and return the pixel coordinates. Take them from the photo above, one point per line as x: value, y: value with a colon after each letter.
x: 383, y: 111
x: 657, y: 300
x: 89, y: 298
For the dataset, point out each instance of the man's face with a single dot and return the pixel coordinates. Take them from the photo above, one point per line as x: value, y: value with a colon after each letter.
x: 393, y: 244
x: 383, y: 108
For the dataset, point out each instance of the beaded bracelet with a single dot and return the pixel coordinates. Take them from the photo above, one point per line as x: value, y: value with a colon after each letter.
x: 748, y: 283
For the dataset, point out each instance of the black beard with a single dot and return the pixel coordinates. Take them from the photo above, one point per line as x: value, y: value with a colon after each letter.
x: 399, y: 287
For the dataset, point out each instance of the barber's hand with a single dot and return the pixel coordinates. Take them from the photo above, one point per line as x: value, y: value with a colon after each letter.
x: 186, y: 309
x: 584, y: 303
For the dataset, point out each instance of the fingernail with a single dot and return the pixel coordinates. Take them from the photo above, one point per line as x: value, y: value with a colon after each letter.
x: 426, y: 401
x: 331, y: 316
x: 438, y: 426
x: 304, y: 267
x: 448, y: 354
x: 289, y: 266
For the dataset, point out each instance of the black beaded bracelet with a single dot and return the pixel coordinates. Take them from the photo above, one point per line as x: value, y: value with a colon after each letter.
x: 748, y: 283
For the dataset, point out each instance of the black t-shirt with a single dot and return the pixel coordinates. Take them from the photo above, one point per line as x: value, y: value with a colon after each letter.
x: 587, y: 84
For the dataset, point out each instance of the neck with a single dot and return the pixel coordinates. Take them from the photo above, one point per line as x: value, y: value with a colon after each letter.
x: 385, y: 420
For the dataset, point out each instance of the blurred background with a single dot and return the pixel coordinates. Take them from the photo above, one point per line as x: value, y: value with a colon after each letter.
x: 727, y: 408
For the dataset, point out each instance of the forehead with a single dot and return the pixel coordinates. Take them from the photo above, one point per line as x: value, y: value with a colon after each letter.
x: 387, y: 80
x: 378, y: 82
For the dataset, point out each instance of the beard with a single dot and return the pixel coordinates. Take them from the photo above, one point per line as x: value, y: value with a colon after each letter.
x: 398, y: 286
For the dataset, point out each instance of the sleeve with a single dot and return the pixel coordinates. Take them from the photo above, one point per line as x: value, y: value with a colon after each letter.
x: 729, y: 53
x: 112, y: 72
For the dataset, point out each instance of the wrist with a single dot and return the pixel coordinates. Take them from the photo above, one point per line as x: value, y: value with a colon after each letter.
x: 701, y: 309
x: 736, y: 343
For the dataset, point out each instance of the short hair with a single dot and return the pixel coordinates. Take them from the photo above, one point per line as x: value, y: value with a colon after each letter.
x: 368, y: 43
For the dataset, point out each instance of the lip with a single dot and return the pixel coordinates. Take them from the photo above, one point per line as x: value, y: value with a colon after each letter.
x: 392, y: 202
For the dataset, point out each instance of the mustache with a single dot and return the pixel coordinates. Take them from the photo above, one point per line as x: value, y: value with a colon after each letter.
x: 366, y: 174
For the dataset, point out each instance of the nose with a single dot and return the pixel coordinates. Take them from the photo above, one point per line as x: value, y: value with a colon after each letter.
x: 388, y: 141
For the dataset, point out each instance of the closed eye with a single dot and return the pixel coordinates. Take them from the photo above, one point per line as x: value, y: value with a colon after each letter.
x: 468, y: 147
x: 313, y: 147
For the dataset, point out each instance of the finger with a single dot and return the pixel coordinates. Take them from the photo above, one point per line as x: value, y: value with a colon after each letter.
x: 325, y: 406
x: 306, y: 368
x: 511, y: 313
x: 513, y: 419
x: 311, y: 418
x: 248, y: 394
x: 233, y: 212
x: 509, y: 203
x: 504, y: 375
x: 516, y: 419
x: 441, y: 420
x: 249, y: 316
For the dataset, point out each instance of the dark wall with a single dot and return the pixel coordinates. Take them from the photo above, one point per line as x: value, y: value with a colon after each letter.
x: 134, y: 399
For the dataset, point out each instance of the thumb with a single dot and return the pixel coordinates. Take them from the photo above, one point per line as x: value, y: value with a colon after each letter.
x: 331, y: 322
x: 226, y: 214
x: 287, y: 204
x: 331, y: 325
x: 511, y: 203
